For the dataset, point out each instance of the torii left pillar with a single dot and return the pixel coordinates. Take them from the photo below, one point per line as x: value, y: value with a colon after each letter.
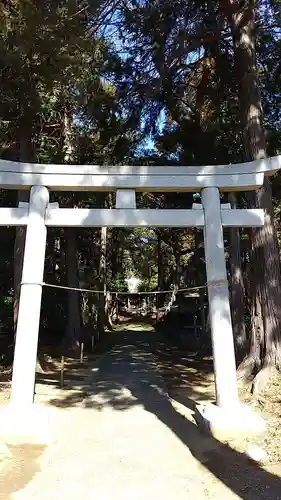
x: 25, y: 356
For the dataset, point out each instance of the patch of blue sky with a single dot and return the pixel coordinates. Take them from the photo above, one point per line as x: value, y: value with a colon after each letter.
x: 148, y: 143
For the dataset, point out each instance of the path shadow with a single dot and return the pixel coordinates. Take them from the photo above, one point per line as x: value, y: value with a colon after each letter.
x: 125, y: 380
x: 234, y: 469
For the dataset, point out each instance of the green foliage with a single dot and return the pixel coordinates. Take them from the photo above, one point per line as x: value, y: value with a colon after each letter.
x: 89, y: 81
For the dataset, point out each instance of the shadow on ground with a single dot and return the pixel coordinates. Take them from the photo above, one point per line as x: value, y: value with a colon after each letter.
x: 125, y: 380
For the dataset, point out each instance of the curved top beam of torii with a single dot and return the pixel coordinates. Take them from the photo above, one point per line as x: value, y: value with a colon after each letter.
x: 241, y: 176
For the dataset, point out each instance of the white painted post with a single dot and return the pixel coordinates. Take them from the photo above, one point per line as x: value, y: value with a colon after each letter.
x: 81, y: 352
x: 117, y: 309
x: 125, y: 198
x: 219, y: 307
x: 62, y: 372
x: 30, y: 300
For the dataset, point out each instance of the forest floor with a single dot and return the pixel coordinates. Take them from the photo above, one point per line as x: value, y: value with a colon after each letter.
x: 215, y: 470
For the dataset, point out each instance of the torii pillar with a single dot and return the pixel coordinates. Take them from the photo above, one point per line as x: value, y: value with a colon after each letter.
x: 219, y: 306
x: 30, y: 300
x: 228, y: 417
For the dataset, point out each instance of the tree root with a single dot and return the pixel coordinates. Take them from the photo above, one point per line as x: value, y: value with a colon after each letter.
x: 261, y: 379
x: 251, y: 372
x: 247, y: 370
x: 256, y: 371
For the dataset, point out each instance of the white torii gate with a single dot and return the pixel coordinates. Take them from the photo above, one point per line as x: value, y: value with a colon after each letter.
x: 126, y: 180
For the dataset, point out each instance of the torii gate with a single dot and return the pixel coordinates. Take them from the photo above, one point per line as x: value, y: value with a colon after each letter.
x: 126, y: 180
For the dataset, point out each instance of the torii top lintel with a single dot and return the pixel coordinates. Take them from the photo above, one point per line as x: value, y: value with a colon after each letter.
x: 240, y: 177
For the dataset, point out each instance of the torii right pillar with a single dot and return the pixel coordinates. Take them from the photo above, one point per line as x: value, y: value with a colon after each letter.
x: 228, y: 417
x: 219, y: 306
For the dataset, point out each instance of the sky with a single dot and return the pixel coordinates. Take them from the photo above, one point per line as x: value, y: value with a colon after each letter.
x: 112, y: 34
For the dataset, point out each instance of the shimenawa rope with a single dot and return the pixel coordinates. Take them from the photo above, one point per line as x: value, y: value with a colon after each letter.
x: 115, y: 292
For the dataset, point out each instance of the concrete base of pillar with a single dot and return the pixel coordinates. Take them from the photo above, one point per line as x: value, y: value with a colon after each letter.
x: 222, y: 424
x: 22, y: 426
x: 4, y: 451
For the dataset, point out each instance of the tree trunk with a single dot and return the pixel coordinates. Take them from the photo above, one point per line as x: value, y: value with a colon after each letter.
x: 177, y: 257
x: 114, y: 249
x: 160, y: 296
x: 114, y: 254
x: 237, y: 288
x: 102, y: 281
x: 73, y: 331
x: 265, y: 348
x: 26, y: 154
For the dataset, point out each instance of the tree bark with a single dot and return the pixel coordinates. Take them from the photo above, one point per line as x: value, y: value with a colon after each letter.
x: 160, y: 297
x: 237, y: 288
x: 26, y: 154
x: 115, y: 236
x: 265, y: 342
x: 102, y: 280
x: 177, y: 257
x: 73, y: 330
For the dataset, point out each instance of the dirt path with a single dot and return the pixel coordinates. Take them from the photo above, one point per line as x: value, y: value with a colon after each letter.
x: 125, y: 439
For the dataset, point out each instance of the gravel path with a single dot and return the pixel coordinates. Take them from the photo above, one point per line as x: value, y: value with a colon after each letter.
x: 125, y: 440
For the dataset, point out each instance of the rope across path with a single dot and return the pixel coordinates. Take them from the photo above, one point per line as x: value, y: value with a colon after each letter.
x: 116, y: 292
x: 175, y: 291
